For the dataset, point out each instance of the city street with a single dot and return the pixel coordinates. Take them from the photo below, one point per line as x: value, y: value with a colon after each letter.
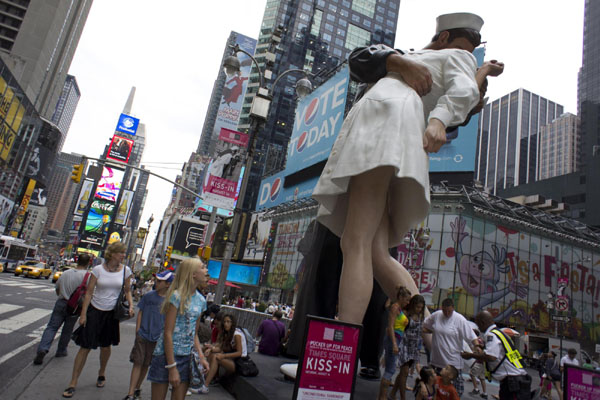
x: 25, y: 308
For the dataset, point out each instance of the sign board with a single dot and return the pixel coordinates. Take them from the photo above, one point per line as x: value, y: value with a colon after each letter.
x: 127, y: 124
x: 581, y: 383
x: 110, y: 184
x: 120, y: 149
x: 562, y: 303
x: 561, y: 318
x: 328, y: 361
x: 318, y: 120
x: 189, y: 237
x: 11, y: 115
x: 238, y: 273
x: 258, y: 237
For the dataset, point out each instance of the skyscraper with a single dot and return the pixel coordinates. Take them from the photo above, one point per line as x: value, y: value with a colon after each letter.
x: 317, y: 36
x: 65, y: 107
x: 588, y: 88
x: 508, y: 140
x: 558, y: 147
x: 38, y: 40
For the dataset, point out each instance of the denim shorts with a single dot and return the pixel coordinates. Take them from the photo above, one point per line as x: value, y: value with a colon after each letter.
x: 159, y: 374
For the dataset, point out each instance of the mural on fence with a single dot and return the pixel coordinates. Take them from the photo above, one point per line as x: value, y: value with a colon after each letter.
x: 511, y: 273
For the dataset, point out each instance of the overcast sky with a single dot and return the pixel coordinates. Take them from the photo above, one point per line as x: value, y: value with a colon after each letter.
x: 170, y: 51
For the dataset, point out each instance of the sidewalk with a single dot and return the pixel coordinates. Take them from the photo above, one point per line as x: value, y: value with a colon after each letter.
x: 48, y: 381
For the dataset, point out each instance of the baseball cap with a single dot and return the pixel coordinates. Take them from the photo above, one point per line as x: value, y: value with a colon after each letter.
x: 165, y: 276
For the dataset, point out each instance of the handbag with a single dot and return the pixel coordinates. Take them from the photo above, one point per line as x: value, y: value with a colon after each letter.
x: 244, y: 366
x: 121, y: 311
x: 76, y: 300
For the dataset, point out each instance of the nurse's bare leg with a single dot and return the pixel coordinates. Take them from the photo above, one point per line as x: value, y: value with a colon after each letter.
x: 388, y: 271
x: 366, y: 204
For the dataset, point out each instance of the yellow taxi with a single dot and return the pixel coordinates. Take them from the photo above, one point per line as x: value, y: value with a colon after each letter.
x: 60, y: 271
x: 33, y: 269
x: 1, y: 267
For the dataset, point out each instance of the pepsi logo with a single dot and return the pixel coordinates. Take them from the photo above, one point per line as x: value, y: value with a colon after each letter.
x: 275, y: 189
x: 302, y: 141
x: 311, y: 111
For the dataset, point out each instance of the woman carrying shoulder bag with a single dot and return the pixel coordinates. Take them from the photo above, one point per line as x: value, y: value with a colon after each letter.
x: 98, y: 325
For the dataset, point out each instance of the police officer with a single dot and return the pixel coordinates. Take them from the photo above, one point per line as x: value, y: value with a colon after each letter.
x: 502, y: 360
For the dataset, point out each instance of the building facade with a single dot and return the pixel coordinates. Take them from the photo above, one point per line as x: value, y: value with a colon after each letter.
x: 509, y: 139
x: 316, y: 37
x: 66, y: 106
x: 559, y: 147
x: 38, y: 42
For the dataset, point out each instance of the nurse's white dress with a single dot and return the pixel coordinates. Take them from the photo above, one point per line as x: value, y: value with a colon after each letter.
x: 385, y: 128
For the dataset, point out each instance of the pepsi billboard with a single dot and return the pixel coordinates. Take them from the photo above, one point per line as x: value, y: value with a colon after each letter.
x: 318, y: 120
x: 271, y: 191
x: 458, y: 154
x: 127, y: 124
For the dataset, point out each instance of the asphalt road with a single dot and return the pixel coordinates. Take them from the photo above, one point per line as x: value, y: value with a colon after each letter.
x: 25, y: 307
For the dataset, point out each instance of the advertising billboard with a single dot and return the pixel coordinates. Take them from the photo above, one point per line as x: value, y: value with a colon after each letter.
x: 318, y: 120
x: 258, y: 237
x: 127, y: 124
x: 110, y: 184
x: 11, y: 115
x: 223, y: 177
x: 120, y: 149
x: 99, y: 216
x: 234, y: 90
x: 237, y: 273
x: 39, y: 195
x: 124, y: 207
x: 189, y: 237
x: 458, y: 154
x: 6, y: 207
x: 84, y: 196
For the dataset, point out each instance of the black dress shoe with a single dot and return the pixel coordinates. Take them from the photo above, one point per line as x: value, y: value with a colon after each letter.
x: 369, y: 373
x: 61, y: 354
x: 39, y: 358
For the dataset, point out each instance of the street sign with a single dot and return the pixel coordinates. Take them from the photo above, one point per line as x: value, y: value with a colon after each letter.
x: 561, y: 318
x: 562, y: 303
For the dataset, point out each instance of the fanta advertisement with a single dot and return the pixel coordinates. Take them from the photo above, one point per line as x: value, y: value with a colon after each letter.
x: 317, y: 123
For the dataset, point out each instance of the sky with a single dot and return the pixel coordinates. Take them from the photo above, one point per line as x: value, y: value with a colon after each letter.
x: 171, y: 52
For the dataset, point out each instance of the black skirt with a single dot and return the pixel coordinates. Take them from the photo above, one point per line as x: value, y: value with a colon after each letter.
x: 101, y: 330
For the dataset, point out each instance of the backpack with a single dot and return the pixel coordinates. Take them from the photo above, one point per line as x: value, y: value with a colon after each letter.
x: 250, y: 341
x: 76, y: 300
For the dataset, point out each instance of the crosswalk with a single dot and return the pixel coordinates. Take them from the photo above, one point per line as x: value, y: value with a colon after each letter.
x: 40, y: 287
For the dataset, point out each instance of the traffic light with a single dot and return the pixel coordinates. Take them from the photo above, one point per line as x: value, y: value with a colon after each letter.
x: 204, y: 253
x: 168, y: 253
x: 77, y: 172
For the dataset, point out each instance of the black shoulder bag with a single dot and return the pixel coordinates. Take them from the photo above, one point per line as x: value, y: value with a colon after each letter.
x: 122, y: 307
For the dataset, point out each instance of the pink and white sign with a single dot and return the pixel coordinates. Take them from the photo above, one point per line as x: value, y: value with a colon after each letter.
x: 580, y: 383
x: 329, y: 360
x: 234, y: 137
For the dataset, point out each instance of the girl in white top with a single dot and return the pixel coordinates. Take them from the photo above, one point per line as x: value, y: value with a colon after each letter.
x: 231, y: 344
x: 98, y: 327
x: 375, y: 185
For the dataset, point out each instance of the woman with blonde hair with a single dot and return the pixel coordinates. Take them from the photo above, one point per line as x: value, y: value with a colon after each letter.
x: 98, y: 326
x: 173, y: 353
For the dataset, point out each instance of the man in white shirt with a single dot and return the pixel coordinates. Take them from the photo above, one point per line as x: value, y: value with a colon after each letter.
x: 569, y: 359
x: 450, y: 329
x: 502, y: 361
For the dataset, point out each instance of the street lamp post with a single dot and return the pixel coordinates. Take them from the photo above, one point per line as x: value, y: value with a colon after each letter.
x: 150, y: 220
x: 259, y: 111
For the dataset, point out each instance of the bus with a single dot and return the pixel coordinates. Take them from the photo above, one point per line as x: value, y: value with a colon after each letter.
x: 14, y: 251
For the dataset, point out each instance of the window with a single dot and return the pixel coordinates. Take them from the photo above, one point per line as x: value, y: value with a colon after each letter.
x: 339, y: 42
x: 346, y: 3
x: 329, y: 27
x: 344, y: 13
x: 306, y: 7
x: 337, y: 52
x: 332, y: 8
x: 379, y: 18
x: 365, y: 7
x: 316, y: 25
x: 367, y: 23
x: 342, y: 22
x: 357, y: 37
x: 330, y: 17
x: 327, y: 37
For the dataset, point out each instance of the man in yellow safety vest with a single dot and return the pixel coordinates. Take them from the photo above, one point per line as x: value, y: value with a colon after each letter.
x: 503, y: 361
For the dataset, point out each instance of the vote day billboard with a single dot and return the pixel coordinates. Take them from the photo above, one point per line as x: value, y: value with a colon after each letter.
x: 317, y: 123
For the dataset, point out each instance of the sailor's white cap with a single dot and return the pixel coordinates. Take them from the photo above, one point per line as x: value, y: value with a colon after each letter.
x: 458, y: 20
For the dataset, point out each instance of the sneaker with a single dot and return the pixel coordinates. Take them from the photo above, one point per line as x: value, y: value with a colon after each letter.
x: 128, y: 397
x: 202, y: 390
x: 137, y: 394
x: 39, y: 358
x: 474, y: 392
x: 483, y: 396
x: 188, y: 393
